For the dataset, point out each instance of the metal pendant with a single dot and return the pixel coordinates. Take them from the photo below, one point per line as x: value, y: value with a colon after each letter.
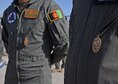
x: 96, y: 44
x: 26, y: 40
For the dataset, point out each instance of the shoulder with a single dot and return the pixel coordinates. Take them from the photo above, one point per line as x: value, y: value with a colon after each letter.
x: 50, y: 4
x: 8, y: 13
x: 53, y: 4
x: 9, y: 9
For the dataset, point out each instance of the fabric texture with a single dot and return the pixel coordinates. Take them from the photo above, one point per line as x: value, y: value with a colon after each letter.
x: 30, y: 41
x: 83, y: 66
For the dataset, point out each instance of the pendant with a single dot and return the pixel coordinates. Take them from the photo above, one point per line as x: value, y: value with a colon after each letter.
x: 96, y: 44
x: 26, y: 40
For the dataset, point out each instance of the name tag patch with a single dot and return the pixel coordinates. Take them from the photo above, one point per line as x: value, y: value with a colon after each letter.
x: 11, y: 17
x: 31, y: 13
x: 55, y: 15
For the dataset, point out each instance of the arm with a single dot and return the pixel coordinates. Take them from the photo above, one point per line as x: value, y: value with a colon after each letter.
x: 1, y: 43
x: 59, y: 34
x: 4, y: 33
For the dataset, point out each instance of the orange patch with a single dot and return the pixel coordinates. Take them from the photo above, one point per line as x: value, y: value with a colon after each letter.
x: 23, y: 1
x: 31, y: 13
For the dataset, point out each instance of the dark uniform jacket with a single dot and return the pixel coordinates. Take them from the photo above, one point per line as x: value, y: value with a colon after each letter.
x: 1, y: 43
x: 34, y: 39
x: 83, y: 66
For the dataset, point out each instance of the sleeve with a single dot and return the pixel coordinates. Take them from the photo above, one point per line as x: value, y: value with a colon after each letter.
x: 4, y: 33
x: 58, y: 29
x: 1, y: 43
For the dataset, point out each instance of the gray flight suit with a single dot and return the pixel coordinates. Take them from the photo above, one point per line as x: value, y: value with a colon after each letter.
x: 30, y: 64
x: 83, y: 65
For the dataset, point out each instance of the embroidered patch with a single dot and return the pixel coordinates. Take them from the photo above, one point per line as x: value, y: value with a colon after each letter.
x: 11, y: 17
x: 31, y: 13
x: 55, y: 15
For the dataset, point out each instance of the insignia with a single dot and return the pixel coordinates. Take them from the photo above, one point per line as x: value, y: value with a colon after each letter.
x: 31, y: 13
x: 54, y: 15
x: 26, y: 40
x: 11, y: 17
x: 96, y: 44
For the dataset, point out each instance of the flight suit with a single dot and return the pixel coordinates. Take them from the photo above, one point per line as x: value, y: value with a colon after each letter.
x: 35, y: 38
x: 93, y: 22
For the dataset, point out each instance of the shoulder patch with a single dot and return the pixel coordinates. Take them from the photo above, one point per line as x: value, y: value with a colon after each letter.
x: 11, y: 17
x: 55, y: 15
x: 31, y: 13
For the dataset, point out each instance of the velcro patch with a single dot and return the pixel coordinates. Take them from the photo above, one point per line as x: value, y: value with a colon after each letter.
x: 31, y: 13
x: 55, y: 15
x: 23, y: 1
x: 12, y: 17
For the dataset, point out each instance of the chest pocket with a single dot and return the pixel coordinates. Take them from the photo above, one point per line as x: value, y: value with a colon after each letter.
x: 31, y: 23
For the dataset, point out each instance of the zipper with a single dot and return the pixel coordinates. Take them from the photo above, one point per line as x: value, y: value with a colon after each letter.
x: 17, y: 39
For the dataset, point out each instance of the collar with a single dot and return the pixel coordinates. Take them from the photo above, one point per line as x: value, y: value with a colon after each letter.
x: 31, y: 1
x: 15, y: 4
